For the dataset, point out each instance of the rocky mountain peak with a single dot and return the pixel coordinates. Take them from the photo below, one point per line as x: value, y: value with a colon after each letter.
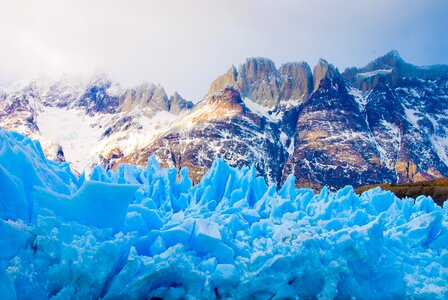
x: 259, y: 80
x: 323, y: 70
x: 294, y: 68
x: 221, y: 105
x: 63, y: 91
x: 147, y: 97
x: 31, y: 88
x: 394, y: 70
x: 159, y: 93
x: 100, y: 95
x: 297, y: 81
x: 227, y: 97
x: 389, y: 60
x: 179, y: 104
x: 228, y: 79
x: 258, y: 68
x: 393, y: 53
x: 176, y: 95
x: 390, y: 68
x: 363, y: 127
x: 256, y: 79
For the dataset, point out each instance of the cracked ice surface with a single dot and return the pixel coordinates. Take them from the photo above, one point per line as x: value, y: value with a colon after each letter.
x: 147, y: 232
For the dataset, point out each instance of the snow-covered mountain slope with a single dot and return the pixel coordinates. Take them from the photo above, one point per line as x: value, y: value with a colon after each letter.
x: 220, y: 126
x: 407, y: 111
x: 143, y: 233
x: 368, y: 125
x: 334, y: 145
x: 91, y: 121
x: 385, y: 122
x: 77, y: 132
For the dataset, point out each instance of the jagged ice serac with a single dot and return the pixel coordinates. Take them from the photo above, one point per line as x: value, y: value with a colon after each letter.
x: 143, y: 232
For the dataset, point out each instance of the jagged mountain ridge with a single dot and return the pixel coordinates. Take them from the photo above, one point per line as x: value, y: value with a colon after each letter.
x: 385, y: 122
x: 97, y: 117
x: 339, y: 132
x: 259, y: 80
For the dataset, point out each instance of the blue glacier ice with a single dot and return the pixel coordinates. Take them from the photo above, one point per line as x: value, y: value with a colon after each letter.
x: 148, y: 232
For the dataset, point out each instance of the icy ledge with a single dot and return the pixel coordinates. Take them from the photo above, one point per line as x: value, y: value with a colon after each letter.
x: 140, y: 233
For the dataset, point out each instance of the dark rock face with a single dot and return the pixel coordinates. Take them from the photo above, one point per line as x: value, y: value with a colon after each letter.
x: 60, y: 155
x: 424, y: 146
x: 334, y: 145
x: 391, y: 127
x: 407, y: 114
x: 387, y: 121
x: 97, y: 99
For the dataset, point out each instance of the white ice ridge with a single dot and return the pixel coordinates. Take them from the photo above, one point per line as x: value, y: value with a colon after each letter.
x: 139, y: 233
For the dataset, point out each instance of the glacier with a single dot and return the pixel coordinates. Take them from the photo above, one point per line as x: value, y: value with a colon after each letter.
x: 148, y: 232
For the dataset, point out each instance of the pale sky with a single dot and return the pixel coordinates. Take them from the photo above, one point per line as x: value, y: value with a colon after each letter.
x: 184, y: 45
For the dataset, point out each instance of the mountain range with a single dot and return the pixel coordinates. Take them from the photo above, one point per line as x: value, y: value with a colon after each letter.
x: 386, y: 122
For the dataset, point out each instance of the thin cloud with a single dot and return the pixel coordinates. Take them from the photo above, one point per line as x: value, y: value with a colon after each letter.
x: 184, y: 45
